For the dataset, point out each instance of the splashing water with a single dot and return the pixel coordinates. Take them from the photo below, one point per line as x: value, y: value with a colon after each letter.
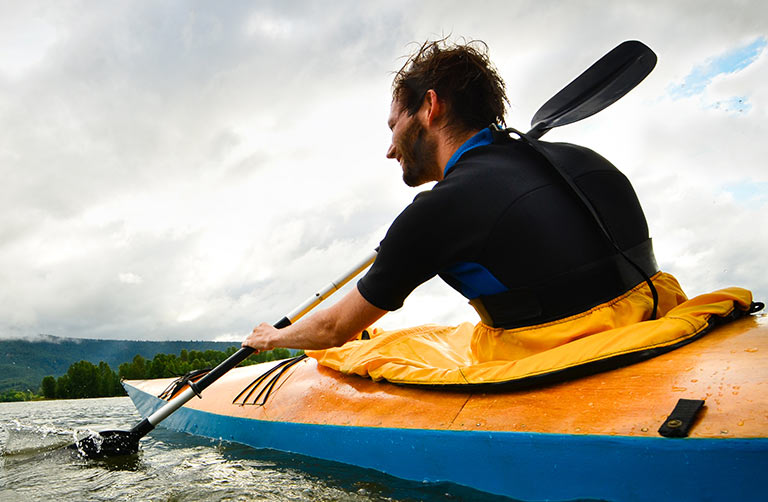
x: 24, y: 440
x: 171, y: 466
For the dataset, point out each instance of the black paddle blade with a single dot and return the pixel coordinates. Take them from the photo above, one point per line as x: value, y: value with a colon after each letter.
x: 107, y: 444
x: 601, y: 85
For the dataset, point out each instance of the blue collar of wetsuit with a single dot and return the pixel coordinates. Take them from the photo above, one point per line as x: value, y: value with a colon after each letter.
x: 482, y: 138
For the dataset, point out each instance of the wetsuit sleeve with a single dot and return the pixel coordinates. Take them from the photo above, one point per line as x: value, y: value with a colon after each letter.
x: 410, y: 254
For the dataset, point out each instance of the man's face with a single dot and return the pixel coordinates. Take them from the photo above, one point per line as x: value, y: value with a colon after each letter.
x: 412, y: 147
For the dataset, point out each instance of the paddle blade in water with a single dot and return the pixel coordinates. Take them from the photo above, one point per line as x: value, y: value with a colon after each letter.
x: 107, y: 444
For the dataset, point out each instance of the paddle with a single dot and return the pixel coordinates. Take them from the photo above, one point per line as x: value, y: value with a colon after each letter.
x: 112, y: 443
x: 599, y: 86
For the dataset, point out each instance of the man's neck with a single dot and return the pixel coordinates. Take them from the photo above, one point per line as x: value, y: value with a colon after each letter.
x: 448, y: 145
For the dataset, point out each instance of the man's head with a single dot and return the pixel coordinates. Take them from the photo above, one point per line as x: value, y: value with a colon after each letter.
x: 463, y: 78
x: 443, y: 94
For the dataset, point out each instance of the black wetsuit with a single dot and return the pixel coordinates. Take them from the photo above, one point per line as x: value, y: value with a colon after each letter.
x: 506, y: 231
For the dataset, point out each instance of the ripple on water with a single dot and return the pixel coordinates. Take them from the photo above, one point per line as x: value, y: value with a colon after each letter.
x: 171, y: 466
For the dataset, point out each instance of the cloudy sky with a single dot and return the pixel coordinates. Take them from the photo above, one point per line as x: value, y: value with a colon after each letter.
x: 187, y: 169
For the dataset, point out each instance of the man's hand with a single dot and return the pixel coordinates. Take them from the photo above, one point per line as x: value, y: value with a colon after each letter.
x: 261, y: 338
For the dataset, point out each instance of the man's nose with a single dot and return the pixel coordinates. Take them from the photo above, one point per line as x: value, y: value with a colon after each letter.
x: 391, y: 152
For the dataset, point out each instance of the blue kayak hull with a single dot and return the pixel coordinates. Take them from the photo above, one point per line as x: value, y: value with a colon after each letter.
x: 521, y: 465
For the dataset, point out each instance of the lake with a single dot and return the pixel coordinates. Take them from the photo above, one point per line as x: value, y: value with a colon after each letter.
x: 172, y: 466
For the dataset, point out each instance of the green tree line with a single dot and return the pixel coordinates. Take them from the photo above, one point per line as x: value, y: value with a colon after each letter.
x: 18, y: 395
x: 85, y: 379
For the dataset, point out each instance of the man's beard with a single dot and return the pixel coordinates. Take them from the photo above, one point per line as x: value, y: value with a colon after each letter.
x: 419, y: 155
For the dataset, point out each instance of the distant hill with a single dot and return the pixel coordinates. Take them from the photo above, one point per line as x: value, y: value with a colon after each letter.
x: 24, y: 363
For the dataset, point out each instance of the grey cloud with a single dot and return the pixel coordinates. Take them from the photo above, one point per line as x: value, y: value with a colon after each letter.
x: 148, y: 133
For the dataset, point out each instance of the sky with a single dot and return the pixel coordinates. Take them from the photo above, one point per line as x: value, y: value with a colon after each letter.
x: 184, y: 170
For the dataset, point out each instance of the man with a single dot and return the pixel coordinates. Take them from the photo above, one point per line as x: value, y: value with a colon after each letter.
x: 501, y: 225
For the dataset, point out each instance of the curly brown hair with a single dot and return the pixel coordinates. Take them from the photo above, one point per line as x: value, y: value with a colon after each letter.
x: 461, y: 75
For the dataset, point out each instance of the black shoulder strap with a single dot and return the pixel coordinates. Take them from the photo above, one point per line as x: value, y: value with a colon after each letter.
x: 501, y: 135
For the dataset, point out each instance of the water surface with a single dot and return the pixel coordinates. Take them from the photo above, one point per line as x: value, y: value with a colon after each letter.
x: 173, y: 466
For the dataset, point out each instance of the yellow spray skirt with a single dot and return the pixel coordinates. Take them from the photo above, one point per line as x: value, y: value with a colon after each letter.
x: 466, y: 354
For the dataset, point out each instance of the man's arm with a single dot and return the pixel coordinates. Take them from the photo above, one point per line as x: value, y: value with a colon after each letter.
x: 324, y: 329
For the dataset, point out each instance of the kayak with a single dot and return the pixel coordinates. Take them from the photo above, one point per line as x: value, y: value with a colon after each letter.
x: 595, y: 437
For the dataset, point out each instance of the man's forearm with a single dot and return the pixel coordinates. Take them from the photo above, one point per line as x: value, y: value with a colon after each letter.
x: 317, y: 331
x: 324, y: 329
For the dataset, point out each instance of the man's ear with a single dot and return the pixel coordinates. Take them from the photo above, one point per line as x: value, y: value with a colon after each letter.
x: 434, y: 108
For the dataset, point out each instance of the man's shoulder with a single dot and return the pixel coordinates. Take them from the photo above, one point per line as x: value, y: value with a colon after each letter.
x: 577, y: 157
x: 486, y: 170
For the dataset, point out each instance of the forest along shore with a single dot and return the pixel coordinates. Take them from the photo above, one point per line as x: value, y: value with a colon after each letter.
x: 86, y: 378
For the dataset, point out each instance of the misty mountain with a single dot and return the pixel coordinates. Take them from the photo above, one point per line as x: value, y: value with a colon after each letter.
x: 24, y: 363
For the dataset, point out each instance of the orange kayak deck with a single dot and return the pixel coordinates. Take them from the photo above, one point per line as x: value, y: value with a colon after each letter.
x: 727, y: 368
